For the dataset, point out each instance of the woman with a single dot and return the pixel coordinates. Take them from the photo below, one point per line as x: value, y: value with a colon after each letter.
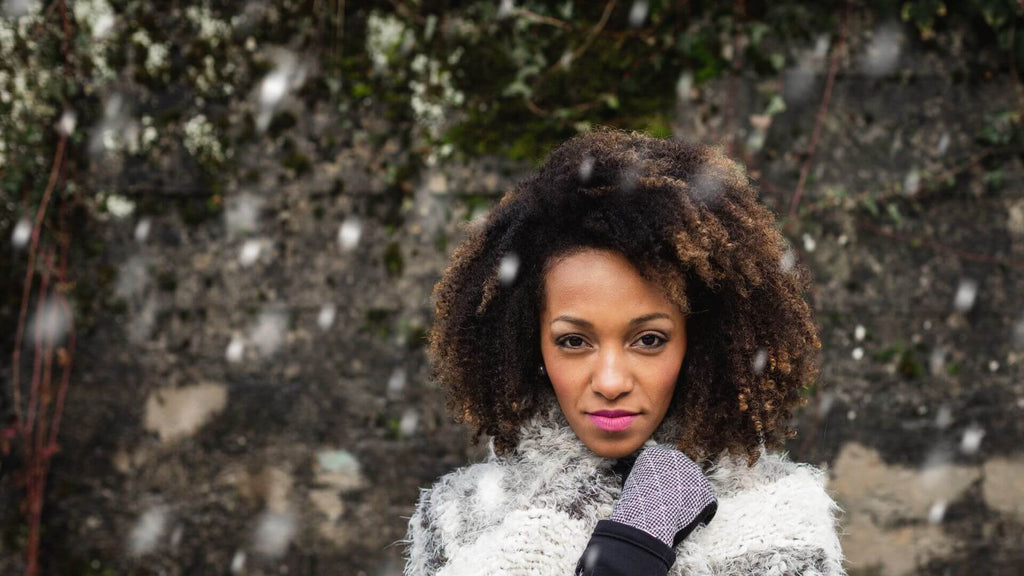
x: 628, y: 327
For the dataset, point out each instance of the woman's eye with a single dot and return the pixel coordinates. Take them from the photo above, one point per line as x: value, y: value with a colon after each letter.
x: 576, y: 342
x: 657, y: 341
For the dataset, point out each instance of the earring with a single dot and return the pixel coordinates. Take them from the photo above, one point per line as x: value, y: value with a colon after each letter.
x: 541, y: 370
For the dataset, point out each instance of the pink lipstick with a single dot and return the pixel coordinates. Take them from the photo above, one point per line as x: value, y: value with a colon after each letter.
x: 612, y: 420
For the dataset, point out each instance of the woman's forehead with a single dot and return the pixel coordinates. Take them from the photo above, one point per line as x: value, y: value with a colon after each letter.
x: 600, y: 282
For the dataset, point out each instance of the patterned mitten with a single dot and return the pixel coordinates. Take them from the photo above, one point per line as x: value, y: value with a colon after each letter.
x: 666, y: 495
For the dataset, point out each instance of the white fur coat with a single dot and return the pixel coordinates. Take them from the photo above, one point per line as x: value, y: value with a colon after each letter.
x: 532, y: 513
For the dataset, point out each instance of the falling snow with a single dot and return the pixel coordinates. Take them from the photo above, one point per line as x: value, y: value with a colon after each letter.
x: 274, y: 531
x: 809, y: 243
x: 1018, y: 332
x: 241, y: 213
x: 142, y: 229
x: 971, y: 440
x: 506, y: 8
x: 22, y: 232
x: 708, y: 185
x: 508, y: 268
x: 586, y: 169
x: 883, y: 52
x: 409, y: 423
x: 788, y: 261
x: 67, y: 122
x: 268, y: 334
x: 912, y: 182
x: 937, y: 361
x: 148, y: 531
x: 176, y: 536
x: 965, y: 295
x: 396, y: 383
x: 325, y: 319
x: 349, y: 232
x: 49, y: 323
x: 250, y: 252
x: 638, y: 13
x: 14, y: 9
x: 684, y: 86
x: 760, y: 361
x: 235, y: 350
x: 827, y: 400
x: 238, y: 562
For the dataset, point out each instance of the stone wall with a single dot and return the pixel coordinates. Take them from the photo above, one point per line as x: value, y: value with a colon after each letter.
x: 250, y: 394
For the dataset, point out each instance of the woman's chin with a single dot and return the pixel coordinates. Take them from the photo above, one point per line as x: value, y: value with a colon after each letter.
x: 613, y: 449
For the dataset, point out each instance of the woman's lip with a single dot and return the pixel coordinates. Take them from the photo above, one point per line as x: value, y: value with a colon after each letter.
x: 617, y: 424
x: 614, y: 413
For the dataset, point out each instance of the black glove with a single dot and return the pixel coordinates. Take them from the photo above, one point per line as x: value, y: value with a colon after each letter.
x: 665, y: 497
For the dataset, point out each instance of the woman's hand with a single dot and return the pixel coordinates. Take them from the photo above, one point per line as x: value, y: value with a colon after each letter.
x: 666, y: 495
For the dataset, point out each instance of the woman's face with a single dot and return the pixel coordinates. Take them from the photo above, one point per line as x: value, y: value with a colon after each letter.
x: 611, y: 341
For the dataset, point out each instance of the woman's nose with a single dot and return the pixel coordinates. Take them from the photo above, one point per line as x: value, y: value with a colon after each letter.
x: 611, y: 378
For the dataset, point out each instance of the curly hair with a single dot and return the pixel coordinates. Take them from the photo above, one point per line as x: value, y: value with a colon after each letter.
x: 686, y: 216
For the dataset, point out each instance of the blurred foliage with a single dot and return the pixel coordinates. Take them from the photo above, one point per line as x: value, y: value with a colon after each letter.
x: 466, y: 77
x: 176, y: 98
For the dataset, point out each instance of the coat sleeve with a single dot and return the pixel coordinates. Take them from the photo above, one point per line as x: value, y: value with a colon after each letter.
x: 443, y: 540
x: 786, y: 527
x: 425, y: 553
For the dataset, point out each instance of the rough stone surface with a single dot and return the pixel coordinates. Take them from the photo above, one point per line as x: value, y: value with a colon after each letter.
x: 239, y: 301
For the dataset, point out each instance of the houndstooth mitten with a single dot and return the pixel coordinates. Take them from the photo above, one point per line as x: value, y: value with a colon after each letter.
x: 666, y: 495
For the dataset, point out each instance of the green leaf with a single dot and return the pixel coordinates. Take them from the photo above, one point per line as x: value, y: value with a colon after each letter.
x: 894, y: 213
x: 871, y: 205
x: 777, y: 105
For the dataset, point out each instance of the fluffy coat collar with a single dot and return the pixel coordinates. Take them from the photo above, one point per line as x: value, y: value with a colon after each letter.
x: 538, y: 506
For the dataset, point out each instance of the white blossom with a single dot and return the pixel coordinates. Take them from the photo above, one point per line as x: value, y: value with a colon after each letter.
x: 201, y: 140
x: 119, y: 206
x: 384, y: 34
x: 211, y: 29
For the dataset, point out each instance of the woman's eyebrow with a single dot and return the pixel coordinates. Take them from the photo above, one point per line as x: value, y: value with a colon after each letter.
x: 633, y: 322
